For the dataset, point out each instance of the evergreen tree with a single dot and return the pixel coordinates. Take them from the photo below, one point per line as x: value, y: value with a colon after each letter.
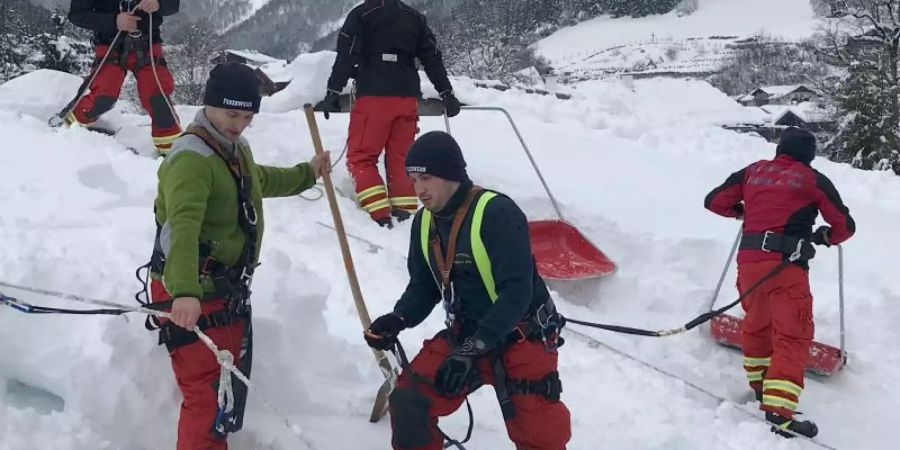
x: 867, y: 46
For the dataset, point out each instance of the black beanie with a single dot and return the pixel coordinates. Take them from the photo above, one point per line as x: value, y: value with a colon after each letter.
x: 233, y: 86
x: 437, y: 153
x: 798, y: 144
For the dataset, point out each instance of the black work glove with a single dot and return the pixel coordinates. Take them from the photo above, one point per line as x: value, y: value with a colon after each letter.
x: 451, y: 103
x: 331, y: 103
x: 383, y: 332
x: 455, y: 372
x: 822, y: 236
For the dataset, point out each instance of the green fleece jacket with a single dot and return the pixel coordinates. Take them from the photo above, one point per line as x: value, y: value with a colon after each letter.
x: 197, y: 201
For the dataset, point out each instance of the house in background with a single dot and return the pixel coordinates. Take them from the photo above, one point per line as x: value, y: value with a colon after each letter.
x: 773, y: 119
x: 272, y: 72
x: 779, y: 95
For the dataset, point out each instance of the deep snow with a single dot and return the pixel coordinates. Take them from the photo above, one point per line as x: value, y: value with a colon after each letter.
x: 630, y: 165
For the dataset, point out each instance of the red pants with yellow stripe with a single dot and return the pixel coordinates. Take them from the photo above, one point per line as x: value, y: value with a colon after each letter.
x: 107, y: 85
x: 776, y: 333
x: 538, y: 424
x: 197, y: 373
x: 382, y: 124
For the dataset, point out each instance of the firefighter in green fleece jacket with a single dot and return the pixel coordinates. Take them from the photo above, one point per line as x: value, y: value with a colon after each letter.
x: 209, y: 228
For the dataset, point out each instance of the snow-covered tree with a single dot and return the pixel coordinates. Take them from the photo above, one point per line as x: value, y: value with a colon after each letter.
x: 865, y: 43
x: 763, y: 60
x: 192, y: 46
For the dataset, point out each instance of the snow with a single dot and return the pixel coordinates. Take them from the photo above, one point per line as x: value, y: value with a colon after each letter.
x: 630, y: 162
x: 255, y: 5
x: 701, y: 39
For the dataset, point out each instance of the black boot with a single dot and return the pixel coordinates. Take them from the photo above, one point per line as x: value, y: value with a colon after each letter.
x: 385, y: 222
x: 802, y: 427
x: 400, y: 214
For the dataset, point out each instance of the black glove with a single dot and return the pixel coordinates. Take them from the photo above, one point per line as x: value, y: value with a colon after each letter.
x: 739, y: 211
x: 822, y: 236
x: 383, y: 332
x: 451, y: 103
x: 331, y: 103
x: 455, y: 372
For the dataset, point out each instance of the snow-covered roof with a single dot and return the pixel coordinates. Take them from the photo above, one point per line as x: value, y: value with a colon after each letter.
x: 254, y: 56
x: 809, y: 112
x: 278, y: 72
x: 775, y: 92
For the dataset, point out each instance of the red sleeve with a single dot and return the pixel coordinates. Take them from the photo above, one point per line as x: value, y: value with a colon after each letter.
x: 829, y: 202
x: 726, y: 199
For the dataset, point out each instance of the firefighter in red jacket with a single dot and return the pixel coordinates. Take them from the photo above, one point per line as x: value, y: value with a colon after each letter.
x: 779, y: 201
x: 129, y: 31
x: 378, y: 46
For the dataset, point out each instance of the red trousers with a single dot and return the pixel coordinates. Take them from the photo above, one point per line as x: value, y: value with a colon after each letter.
x: 776, y: 333
x: 538, y: 424
x: 197, y: 373
x: 104, y: 92
x: 377, y: 124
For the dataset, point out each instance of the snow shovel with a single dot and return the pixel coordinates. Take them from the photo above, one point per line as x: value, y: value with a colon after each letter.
x: 379, y: 409
x: 561, y: 251
x: 825, y: 360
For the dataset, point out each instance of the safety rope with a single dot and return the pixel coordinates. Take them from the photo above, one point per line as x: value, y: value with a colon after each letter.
x: 593, y: 342
x: 156, y: 77
x: 224, y: 357
x: 702, y: 318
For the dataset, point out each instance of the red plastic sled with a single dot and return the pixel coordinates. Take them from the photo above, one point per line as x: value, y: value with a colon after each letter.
x: 823, y: 359
x: 563, y: 253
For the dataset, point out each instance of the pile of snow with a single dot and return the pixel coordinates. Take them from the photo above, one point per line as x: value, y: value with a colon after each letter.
x: 630, y: 163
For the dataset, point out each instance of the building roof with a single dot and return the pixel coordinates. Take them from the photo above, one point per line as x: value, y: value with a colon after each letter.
x: 775, y: 92
x: 254, y: 57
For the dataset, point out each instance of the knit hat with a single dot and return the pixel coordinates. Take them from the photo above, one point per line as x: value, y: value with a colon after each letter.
x: 798, y: 144
x: 233, y: 86
x: 437, y: 153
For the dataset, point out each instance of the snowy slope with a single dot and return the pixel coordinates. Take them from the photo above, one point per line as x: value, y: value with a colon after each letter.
x: 630, y: 165
x: 695, y: 43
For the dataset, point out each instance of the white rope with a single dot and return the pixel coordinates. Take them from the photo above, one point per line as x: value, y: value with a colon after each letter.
x: 156, y: 76
x: 223, y: 357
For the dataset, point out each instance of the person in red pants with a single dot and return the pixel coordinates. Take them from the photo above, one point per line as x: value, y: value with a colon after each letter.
x: 123, y: 33
x: 378, y: 45
x: 779, y: 201
x: 502, y: 325
x: 210, y: 225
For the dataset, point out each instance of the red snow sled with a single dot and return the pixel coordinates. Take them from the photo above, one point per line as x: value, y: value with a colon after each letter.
x: 561, y: 251
x: 824, y: 359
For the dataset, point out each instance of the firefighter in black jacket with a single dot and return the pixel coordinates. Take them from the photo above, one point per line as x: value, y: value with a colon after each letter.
x: 378, y: 46
x: 502, y: 326
x: 128, y: 30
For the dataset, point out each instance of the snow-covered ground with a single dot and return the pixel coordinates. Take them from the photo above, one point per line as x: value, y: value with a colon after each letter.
x: 630, y: 165
x: 694, y: 43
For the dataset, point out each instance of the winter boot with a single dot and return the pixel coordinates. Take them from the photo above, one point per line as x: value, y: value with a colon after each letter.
x: 385, y: 222
x: 401, y: 214
x: 802, y: 427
